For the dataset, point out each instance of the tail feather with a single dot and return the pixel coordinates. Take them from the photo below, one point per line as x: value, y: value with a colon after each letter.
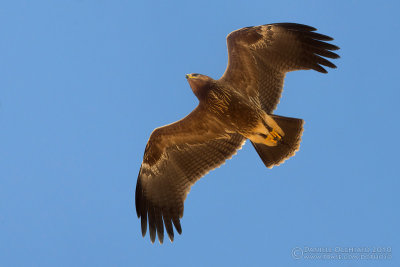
x: 287, y: 146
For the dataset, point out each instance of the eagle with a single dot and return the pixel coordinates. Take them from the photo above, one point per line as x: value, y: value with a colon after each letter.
x: 237, y: 107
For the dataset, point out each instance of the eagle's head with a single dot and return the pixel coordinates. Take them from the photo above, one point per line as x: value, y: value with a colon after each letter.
x: 199, y: 83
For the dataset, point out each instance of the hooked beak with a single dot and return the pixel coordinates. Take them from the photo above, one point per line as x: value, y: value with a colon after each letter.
x: 188, y: 76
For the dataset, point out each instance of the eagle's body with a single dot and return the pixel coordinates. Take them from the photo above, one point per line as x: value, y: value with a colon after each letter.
x: 227, y: 106
x: 236, y: 107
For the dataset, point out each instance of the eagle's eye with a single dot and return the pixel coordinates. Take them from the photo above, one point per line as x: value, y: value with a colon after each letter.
x: 195, y: 74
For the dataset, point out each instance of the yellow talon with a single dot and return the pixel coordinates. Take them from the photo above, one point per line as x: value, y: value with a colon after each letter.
x: 273, y: 137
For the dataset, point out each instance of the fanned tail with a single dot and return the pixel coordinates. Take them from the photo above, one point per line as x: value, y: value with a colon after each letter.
x: 287, y: 146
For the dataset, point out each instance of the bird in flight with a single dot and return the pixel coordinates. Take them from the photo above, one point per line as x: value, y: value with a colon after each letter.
x: 237, y: 107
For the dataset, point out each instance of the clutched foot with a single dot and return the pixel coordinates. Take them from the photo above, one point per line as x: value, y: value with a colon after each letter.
x: 273, y: 137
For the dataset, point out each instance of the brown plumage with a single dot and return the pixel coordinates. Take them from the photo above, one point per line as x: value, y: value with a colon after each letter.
x: 232, y: 109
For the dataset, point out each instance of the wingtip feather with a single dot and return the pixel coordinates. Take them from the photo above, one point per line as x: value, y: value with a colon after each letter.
x: 177, y: 224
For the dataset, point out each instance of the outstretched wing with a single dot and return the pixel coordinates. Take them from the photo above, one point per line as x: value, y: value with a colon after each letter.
x: 260, y: 56
x: 176, y: 156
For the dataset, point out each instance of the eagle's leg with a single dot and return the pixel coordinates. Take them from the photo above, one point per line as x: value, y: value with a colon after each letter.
x: 273, y: 137
x: 274, y: 132
x: 267, y: 132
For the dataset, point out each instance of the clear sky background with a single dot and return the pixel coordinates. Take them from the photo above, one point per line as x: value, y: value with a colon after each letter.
x: 83, y: 84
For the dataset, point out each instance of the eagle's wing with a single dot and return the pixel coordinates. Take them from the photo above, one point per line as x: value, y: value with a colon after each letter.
x: 260, y: 56
x: 176, y: 156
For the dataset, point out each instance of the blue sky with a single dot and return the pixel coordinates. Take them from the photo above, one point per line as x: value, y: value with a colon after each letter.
x: 83, y: 84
